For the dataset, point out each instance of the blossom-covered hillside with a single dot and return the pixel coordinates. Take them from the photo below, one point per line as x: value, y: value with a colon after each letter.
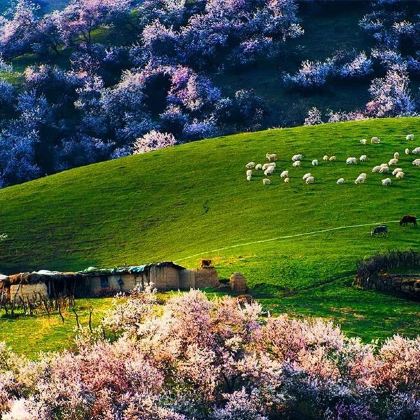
x: 98, y: 80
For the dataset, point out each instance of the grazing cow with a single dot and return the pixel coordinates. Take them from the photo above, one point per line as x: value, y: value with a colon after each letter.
x: 379, y: 230
x: 408, y: 219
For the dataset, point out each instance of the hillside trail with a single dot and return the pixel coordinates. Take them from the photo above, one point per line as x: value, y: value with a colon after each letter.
x: 278, y: 238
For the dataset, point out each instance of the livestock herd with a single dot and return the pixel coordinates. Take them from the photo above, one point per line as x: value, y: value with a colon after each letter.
x: 269, y: 168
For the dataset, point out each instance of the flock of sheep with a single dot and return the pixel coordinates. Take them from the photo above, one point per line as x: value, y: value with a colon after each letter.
x: 270, y: 166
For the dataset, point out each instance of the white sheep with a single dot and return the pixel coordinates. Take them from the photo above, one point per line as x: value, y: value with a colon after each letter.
x: 269, y: 171
x: 266, y: 181
x: 416, y: 162
x: 250, y: 165
x: 363, y: 141
x: 383, y: 169
x: 296, y: 158
x: 258, y: 167
x: 296, y: 164
x: 284, y: 174
x: 386, y: 182
x: 326, y: 157
x: 306, y: 176
x: 363, y: 158
x: 271, y: 157
x: 400, y: 175
x: 340, y: 181
x: 416, y: 151
x: 375, y: 140
x: 310, y: 180
x: 361, y: 178
x: 409, y: 137
x: 376, y: 169
x: 393, y: 162
x: 332, y: 158
x: 396, y: 170
x: 248, y: 177
x: 351, y: 161
x: 268, y: 165
x: 286, y: 180
x: 396, y: 155
x: 407, y: 151
x: 249, y: 172
x: 315, y: 162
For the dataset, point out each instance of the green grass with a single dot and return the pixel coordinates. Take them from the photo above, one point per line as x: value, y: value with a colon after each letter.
x: 31, y: 335
x: 181, y: 203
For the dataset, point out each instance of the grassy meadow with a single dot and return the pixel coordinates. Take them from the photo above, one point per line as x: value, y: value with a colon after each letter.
x: 192, y: 201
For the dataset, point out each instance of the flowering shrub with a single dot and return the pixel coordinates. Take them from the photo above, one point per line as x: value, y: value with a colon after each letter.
x: 391, y: 95
x: 314, y: 117
x: 360, y: 66
x: 153, y: 141
x: 195, y: 358
x: 312, y: 74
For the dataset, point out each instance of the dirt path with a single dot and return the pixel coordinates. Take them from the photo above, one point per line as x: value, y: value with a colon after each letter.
x: 278, y: 238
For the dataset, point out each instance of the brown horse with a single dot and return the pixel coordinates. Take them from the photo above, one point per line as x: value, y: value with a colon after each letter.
x: 408, y: 219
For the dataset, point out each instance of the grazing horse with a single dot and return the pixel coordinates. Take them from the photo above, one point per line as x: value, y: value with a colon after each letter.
x: 408, y: 219
x: 379, y: 230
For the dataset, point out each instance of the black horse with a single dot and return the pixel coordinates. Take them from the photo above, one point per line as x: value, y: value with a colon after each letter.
x: 408, y: 219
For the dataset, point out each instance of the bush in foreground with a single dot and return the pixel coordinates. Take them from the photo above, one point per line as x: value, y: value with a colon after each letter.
x: 196, y: 358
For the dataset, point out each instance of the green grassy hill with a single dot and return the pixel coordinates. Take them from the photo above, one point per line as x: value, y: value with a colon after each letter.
x: 193, y: 201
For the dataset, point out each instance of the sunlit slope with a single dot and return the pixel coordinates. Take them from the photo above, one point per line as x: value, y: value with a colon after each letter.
x: 194, y: 198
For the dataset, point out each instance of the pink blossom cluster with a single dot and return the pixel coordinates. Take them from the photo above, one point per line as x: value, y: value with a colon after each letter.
x: 213, y: 359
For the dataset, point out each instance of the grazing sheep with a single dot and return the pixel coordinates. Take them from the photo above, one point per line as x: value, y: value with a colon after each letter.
x: 396, y: 170
x: 409, y: 137
x: 258, y: 167
x: 393, y: 162
x: 384, y: 169
x: 271, y: 157
x: 332, y: 158
x: 306, y: 176
x: 363, y: 141
x: 315, y: 162
x: 296, y: 158
x: 386, y: 182
x: 266, y: 181
x: 269, y: 171
x: 351, y: 161
x: 400, y: 175
x: 360, y: 179
x: 296, y: 164
x: 250, y: 165
x: 340, y: 181
x: 396, y: 155
x: 375, y: 140
x: 416, y: 151
x: 268, y: 165
x: 310, y: 180
x: 363, y: 158
x: 416, y: 162
x: 248, y: 177
x: 326, y: 157
x: 284, y: 174
x: 249, y: 172
x: 376, y: 169
x: 407, y: 151
x: 286, y: 180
